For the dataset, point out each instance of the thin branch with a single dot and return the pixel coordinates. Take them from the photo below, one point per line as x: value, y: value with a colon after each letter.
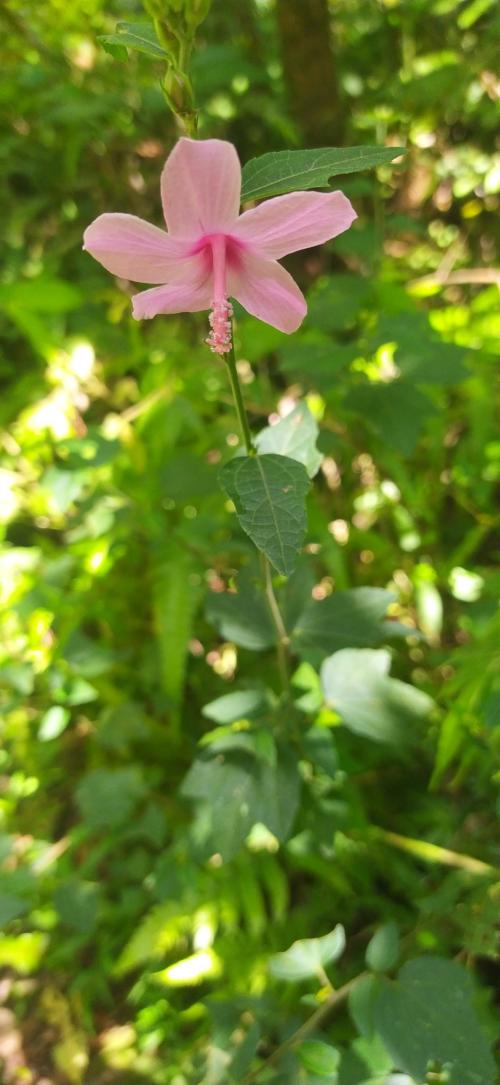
x: 314, y: 1022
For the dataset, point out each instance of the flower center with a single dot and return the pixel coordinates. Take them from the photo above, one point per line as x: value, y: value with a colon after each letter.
x: 219, y: 339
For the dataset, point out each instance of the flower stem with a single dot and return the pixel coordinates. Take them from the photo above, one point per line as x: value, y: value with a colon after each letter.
x: 279, y: 625
x: 272, y: 602
x: 238, y: 402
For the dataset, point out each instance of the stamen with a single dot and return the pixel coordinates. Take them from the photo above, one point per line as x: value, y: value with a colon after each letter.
x: 219, y: 339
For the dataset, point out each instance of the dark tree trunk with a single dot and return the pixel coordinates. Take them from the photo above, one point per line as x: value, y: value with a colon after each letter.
x: 309, y: 69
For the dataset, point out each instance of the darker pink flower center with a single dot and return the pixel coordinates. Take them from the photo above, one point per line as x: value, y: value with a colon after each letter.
x: 219, y: 252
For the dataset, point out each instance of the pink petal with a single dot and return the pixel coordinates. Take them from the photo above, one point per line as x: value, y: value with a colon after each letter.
x: 133, y: 249
x: 200, y: 187
x: 267, y: 291
x: 187, y: 297
x: 297, y: 221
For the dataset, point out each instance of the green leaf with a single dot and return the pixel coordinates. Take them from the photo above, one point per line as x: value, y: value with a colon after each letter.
x: 319, y: 1058
x: 138, y: 36
x: 11, y: 907
x: 383, y: 949
x: 427, y: 1016
x: 307, y: 957
x: 77, y: 904
x: 346, y: 619
x: 238, y: 791
x: 295, y: 436
x: 356, y: 684
x: 317, y: 361
x: 108, y: 797
x: 242, y: 616
x: 286, y: 171
x: 362, y: 999
x: 53, y: 723
x: 240, y: 705
x: 395, y: 411
x: 269, y: 496
x: 433, y: 362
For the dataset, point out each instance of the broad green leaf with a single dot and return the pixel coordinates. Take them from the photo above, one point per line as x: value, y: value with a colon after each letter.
x: 108, y: 797
x: 346, y: 619
x: 239, y: 790
x: 319, y: 1058
x: 242, y: 616
x: 294, y: 436
x: 289, y: 171
x: 427, y: 1016
x: 11, y: 906
x: 433, y: 362
x: 138, y: 36
x: 357, y: 685
x: 337, y: 302
x: 269, y: 496
x: 395, y: 411
x: 361, y: 1001
x: 242, y: 704
x: 77, y: 904
x: 308, y: 956
x: 317, y: 361
x: 383, y: 949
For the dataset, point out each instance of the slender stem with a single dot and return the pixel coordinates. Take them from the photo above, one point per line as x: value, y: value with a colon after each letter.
x: 276, y: 615
x: 312, y: 1023
x: 279, y: 625
x: 238, y: 401
x: 432, y: 853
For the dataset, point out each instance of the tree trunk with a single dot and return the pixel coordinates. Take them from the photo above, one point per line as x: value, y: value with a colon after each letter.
x: 309, y: 69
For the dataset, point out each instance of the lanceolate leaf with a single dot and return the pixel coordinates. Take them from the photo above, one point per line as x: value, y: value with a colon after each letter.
x: 138, y: 36
x: 295, y: 436
x: 286, y: 171
x: 269, y: 496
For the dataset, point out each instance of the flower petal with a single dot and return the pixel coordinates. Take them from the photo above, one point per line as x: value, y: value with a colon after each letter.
x: 267, y: 291
x: 200, y: 187
x: 187, y: 297
x: 296, y: 221
x: 134, y: 249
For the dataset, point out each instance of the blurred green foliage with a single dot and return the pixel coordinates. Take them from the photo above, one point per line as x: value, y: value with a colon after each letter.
x: 148, y: 921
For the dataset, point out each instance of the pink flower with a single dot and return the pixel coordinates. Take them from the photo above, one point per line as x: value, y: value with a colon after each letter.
x: 212, y: 253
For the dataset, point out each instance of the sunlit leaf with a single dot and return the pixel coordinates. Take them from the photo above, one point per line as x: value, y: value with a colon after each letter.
x: 287, y: 171
x: 357, y: 685
x: 308, y: 956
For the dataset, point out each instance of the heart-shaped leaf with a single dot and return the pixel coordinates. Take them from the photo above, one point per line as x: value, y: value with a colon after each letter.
x: 269, y: 496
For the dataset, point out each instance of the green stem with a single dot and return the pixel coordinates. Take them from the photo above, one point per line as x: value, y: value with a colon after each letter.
x: 272, y: 602
x: 311, y: 1025
x: 279, y: 625
x: 238, y: 402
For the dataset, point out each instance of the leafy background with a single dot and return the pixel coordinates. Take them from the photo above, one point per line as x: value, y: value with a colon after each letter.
x: 160, y: 856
